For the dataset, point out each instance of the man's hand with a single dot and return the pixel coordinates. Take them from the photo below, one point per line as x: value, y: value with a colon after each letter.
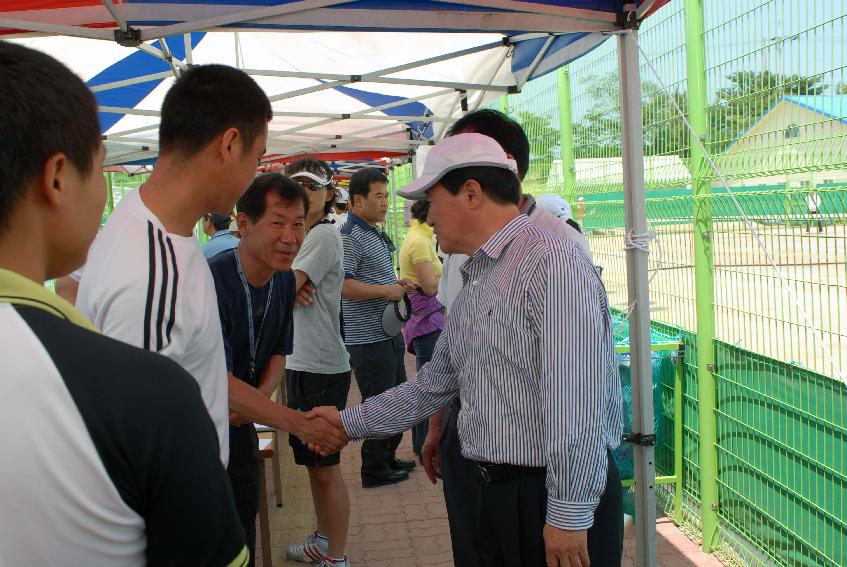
x: 565, y: 548
x: 393, y: 292
x: 321, y: 435
x: 430, y: 453
x: 236, y: 420
x: 323, y: 432
x: 305, y: 295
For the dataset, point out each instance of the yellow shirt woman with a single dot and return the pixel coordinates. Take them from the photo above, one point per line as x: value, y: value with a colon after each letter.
x: 418, y: 248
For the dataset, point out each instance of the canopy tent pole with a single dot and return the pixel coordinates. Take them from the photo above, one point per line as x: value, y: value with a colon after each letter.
x: 638, y: 299
x: 394, y: 214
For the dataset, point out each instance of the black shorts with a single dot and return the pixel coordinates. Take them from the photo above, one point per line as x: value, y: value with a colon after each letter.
x: 307, y: 390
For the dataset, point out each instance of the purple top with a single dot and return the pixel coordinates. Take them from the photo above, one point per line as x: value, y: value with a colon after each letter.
x: 427, y: 317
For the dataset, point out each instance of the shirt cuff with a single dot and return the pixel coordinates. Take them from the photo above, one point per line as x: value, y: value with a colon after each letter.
x: 572, y: 516
x: 353, y: 422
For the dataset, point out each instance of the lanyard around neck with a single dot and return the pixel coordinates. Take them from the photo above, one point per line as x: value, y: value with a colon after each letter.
x: 250, y: 330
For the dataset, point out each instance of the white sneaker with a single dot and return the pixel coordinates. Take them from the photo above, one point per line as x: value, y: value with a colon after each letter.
x: 327, y: 562
x: 313, y: 550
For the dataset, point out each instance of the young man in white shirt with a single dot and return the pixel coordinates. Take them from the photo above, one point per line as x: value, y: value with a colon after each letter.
x: 147, y: 283
x: 110, y: 470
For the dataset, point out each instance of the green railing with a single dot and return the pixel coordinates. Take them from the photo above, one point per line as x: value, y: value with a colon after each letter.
x: 753, y: 285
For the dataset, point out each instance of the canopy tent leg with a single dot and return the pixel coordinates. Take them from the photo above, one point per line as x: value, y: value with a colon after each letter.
x: 638, y: 298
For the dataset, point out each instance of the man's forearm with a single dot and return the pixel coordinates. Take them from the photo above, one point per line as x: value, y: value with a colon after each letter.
x: 358, y: 291
x: 272, y: 375
x: 252, y: 405
x: 394, y: 411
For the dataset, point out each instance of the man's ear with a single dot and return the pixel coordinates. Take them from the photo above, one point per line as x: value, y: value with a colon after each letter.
x: 473, y: 193
x: 227, y: 143
x: 243, y: 223
x: 55, y: 180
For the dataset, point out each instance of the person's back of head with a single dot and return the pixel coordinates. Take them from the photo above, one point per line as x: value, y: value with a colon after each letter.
x: 494, y: 124
x: 49, y: 157
x: 420, y: 210
x: 218, y: 222
x: 207, y: 100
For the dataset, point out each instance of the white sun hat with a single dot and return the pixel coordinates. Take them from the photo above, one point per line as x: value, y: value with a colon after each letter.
x: 455, y: 152
x: 555, y: 205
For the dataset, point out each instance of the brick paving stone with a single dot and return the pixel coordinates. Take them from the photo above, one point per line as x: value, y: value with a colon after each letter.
x: 406, y: 524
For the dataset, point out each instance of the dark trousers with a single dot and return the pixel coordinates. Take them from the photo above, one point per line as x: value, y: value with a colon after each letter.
x: 424, y: 345
x: 243, y: 470
x: 378, y: 367
x: 459, y: 478
x: 510, y: 517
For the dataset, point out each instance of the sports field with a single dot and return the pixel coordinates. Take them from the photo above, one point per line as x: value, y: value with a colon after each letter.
x: 754, y: 308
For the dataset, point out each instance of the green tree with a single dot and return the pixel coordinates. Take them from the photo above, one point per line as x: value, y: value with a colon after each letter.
x: 543, y: 138
x: 750, y: 95
x: 598, y: 133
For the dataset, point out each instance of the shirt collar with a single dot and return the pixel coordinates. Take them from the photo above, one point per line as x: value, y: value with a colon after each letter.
x: 18, y: 290
x: 352, y: 217
x: 359, y: 221
x: 421, y: 227
x: 501, y: 239
x: 219, y: 233
x: 528, y: 205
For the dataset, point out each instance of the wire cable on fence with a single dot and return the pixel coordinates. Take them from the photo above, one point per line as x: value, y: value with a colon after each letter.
x: 819, y: 340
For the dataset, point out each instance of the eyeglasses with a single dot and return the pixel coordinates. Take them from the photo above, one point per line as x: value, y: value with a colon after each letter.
x: 313, y: 186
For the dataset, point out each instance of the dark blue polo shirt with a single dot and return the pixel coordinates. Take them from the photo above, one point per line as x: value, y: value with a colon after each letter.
x: 277, y: 334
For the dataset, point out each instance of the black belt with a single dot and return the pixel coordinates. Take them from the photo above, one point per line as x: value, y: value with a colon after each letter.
x: 496, y: 472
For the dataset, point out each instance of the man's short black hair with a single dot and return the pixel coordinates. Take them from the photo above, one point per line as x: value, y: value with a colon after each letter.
x: 420, y: 210
x: 494, y: 124
x: 220, y: 222
x: 501, y: 185
x: 360, y: 182
x: 318, y: 167
x: 254, y: 201
x: 205, y: 101
x: 46, y: 109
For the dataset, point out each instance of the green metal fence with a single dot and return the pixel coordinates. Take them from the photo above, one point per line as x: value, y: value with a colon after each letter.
x: 754, y: 284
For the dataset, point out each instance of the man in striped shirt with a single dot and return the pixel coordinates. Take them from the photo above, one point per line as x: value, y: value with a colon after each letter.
x: 369, y: 284
x: 540, y: 393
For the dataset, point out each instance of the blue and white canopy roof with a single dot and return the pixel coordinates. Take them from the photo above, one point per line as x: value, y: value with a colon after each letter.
x: 335, y: 85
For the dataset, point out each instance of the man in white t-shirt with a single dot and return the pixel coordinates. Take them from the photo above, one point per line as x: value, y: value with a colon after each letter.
x: 146, y: 281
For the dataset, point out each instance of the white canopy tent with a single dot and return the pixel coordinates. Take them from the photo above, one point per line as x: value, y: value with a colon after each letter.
x: 337, y: 87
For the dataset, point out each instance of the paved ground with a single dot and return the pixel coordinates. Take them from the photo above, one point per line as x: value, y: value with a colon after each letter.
x: 406, y: 524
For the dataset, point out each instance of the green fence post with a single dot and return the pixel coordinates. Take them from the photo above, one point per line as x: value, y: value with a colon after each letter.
x: 563, y: 80
x: 110, y: 202
x: 703, y: 271
x: 503, y: 103
x: 678, y: 439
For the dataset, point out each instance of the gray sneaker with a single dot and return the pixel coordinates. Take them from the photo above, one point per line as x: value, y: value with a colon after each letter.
x: 313, y: 550
x: 327, y: 562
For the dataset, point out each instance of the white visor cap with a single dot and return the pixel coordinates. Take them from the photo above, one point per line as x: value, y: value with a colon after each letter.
x: 456, y: 152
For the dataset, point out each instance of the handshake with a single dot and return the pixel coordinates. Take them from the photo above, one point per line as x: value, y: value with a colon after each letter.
x: 321, y: 430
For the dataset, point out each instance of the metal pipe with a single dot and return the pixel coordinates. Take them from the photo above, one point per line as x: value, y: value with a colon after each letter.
x: 566, y: 133
x: 695, y: 55
x: 632, y: 137
x: 678, y: 438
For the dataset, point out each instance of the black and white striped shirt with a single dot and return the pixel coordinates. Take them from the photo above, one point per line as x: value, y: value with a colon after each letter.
x: 367, y: 259
x: 528, y: 346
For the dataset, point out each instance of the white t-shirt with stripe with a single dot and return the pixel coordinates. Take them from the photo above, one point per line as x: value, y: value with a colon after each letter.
x: 152, y: 289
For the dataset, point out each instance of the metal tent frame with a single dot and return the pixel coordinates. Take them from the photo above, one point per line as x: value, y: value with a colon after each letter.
x: 540, y: 25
